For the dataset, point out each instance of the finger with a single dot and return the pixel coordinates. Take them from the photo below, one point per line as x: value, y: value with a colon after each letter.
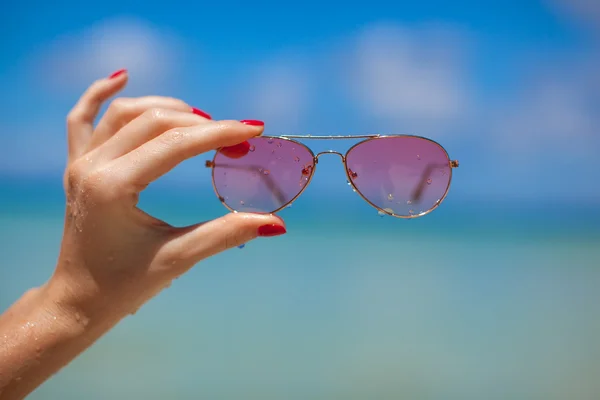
x: 146, y: 127
x: 161, y: 154
x: 193, y: 244
x: 123, y: 110
x: 80, y: 121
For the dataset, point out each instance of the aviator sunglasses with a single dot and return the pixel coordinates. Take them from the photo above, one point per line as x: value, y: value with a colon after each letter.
x: 400, y: 175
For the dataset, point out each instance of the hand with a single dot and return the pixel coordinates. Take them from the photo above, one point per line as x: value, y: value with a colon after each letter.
x: 114, y: 257
x: 114, y: 254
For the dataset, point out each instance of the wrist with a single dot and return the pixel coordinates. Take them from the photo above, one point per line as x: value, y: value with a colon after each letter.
x: 83, y: 307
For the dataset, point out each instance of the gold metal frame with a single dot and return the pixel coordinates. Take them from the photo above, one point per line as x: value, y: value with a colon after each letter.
x: 367, y: 138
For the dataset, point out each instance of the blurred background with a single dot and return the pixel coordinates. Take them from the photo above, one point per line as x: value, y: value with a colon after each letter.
x: 494, y: 295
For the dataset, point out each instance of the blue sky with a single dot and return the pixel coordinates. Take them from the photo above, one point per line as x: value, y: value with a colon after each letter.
x: 509, y: 88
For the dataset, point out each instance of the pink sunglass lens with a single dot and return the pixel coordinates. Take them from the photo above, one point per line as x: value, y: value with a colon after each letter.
x: 262, y: 174
x: 404, y: 176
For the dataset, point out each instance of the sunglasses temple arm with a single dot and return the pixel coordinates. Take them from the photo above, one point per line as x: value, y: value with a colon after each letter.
x: 271, y: 184
x: 418, y: 192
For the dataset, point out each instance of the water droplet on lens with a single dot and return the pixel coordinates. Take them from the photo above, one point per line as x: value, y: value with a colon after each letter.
x: 241, y: 246
x: 266, y: 172
x: 429, y: 181
x: 252, y: 148
x: 390, y: 197
x: 297, y: 159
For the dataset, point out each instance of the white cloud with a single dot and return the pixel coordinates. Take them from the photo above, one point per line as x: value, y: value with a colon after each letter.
x: 277, y: 92
x: 408, y: 74
x: 69, y: 64
x: 76, y: 60
x: 557, y: 111
x: 586, y: 11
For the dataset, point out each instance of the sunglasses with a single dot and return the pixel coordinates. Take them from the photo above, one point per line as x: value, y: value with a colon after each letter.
x: 400, y: 175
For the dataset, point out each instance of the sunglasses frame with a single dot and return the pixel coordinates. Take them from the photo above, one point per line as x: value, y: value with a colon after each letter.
x: 367, y: 138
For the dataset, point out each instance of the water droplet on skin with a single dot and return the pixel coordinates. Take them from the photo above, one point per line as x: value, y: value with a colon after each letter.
x: 241, y: 246
x: 252, y: 148
x: 77, y: 317
x: 297, y: 159
x: 409, y: 202
x: 390, y: 197
x: 411, y: 212
x: 270, y: 141
x: 418, y: 157
x: 266, y: 172
x: 288, y: 206
x: 242, y: 202
x: 429, y: 181
x: 381, y: 213
x: 279, y: 144
x: 260, y: 170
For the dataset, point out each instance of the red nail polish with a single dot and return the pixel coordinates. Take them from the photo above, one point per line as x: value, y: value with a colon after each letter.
x: 253, y: 122
x: 117, y: 73
x: 201, y: 113
x: 271, y: 230
x: 236, y: 151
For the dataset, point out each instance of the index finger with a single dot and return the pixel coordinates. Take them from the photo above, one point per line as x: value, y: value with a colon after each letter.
x: 163, y: 153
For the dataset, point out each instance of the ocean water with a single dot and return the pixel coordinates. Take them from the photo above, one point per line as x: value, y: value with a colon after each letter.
x: 474, y: 301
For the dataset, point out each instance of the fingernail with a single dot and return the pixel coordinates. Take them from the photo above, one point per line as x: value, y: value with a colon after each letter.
x: 117, y: 73
x: 236, y: 151
x: 201, y: 113
x: 271, y: 230
x: 253, y: 122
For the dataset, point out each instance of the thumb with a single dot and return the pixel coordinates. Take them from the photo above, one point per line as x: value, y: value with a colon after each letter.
x: 197, y: 242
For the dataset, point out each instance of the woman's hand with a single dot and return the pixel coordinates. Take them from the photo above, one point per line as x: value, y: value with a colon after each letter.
x: 114, y: 257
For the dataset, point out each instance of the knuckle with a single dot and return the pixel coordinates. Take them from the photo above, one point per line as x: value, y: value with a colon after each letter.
x: 74, y: 118
x: 156, y: 115
x: 175, y: 137
x: 120, y: 106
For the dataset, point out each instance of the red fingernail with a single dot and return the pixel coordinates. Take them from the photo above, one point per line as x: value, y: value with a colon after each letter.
x: 253, y: 122
x: 201, y: 113
x: 117, y: 73
x: 237, y: 150
x: 271, y: 230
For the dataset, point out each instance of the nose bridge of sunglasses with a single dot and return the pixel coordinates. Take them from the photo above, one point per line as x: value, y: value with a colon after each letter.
x: 319, y: 154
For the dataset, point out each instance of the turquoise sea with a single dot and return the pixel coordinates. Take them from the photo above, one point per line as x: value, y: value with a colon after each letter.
x: 474, y: 301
